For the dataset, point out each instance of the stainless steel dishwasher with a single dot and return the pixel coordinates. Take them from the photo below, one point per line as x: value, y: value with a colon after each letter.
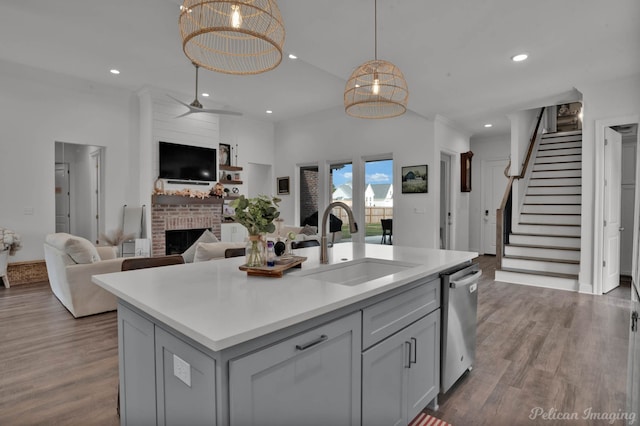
x: 459, y: 322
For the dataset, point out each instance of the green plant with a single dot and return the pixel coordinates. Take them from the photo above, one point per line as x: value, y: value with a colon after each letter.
x: 256, y: 214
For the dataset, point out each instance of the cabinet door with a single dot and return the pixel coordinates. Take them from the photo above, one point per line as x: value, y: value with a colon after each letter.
x: 186, y: 389
x: 423, y: 378
x: 384, y: 390
x: 401, y: 374
x: 309, y: 379
x: 137, y: 371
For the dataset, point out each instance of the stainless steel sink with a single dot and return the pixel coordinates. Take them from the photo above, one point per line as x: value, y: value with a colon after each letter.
x: 356, y: 271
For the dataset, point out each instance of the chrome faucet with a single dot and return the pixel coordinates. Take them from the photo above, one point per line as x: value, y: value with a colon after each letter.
x: 353, y: 228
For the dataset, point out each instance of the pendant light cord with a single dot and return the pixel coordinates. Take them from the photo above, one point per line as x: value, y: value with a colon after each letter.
x: 375, y: 29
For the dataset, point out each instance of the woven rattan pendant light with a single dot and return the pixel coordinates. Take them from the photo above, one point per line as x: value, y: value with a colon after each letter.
x: 376, y: 89
x: 233, y: 37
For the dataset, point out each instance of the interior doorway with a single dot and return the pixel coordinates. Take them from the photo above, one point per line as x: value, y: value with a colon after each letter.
x: 79, y: 168
x: 494, y: 183
x: 445, y: 201
x: 619, y: 207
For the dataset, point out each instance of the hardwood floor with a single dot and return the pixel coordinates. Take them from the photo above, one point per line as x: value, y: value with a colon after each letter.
x: 552, y: 349
x: 536, y: 348
x: 54, y: 369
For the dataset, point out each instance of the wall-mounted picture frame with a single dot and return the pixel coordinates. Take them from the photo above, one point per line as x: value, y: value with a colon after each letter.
x: 465, y: 171
x: 283, y: 185
x: 415, y: 179
x: 224, y: 154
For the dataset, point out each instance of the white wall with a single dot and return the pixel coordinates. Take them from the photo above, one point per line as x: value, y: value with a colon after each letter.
x: 331, y: 135
x: 37, y: 109
x: 484, y: 149
x: 611, y: 102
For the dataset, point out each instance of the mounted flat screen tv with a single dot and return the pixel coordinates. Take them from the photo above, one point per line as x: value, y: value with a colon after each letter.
x: 186, y: 162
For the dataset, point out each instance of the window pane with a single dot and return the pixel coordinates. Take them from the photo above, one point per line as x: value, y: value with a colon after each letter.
x: 378, y: 200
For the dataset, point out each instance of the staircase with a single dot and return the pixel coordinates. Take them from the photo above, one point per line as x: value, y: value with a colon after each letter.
x: 544, y: 244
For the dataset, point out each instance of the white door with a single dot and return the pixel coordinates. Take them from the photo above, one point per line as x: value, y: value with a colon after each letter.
x: 445, y: 201
x: 62, y: 198
x: 494, y: 184
x: 612, y: 193
x: 96, y: 161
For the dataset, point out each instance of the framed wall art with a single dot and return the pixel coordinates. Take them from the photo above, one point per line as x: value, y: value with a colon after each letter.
x: 415, y: 179
x: 283, y: 185
x: 465, y: 171
x: 224, y: 154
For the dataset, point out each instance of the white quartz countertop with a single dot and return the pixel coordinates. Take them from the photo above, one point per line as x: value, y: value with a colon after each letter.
x: 219, y: 306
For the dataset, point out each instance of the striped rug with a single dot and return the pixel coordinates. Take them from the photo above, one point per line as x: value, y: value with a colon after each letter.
x: 424, y: 419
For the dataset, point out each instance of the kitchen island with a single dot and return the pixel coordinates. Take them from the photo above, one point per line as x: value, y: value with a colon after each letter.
x: 205, y: 343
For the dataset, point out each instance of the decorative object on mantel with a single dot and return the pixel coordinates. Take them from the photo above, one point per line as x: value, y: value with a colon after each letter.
x: 186, y: 192
x: 158, y: 186
x: 218, y: 190
x: 257, y: 215
x: 233, y: 37
x: 376, y: 89
x: 9, y: 243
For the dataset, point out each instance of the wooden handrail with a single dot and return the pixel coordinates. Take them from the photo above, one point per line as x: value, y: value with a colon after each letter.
x: 501, y: 228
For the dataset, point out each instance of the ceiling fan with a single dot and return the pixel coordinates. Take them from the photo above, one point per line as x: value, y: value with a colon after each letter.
x: 196, y: 106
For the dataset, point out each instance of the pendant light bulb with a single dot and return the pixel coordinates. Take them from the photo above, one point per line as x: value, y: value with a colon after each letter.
x: 236, y: 18
x: 376, y: 84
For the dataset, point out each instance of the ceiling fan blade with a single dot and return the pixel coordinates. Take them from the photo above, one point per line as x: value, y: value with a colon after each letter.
x: 221, y: 111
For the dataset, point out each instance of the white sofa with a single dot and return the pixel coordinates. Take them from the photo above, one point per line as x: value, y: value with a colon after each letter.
x: 71, y: 261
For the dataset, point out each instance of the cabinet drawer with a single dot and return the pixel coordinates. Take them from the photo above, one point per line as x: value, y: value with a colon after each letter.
x: 381, y: 320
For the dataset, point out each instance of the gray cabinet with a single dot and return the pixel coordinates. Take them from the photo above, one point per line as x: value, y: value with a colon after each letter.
x: 163, y: 380
x: 185, y: 381
x: 136, y: 349
x: 633, y: 379
x: 311, y: 378
x: 401, y: 374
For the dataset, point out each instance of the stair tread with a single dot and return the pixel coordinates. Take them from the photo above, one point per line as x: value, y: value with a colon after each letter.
x: 545, y: 224
x: 546, y: 274
x: 526, y: 234
x: 552, y: 214
x: 542, y: 259
x: 545, y: 204
x: 543, y: 247
x: 558, y: 134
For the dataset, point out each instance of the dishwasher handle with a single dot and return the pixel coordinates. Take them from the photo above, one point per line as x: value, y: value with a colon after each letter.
x: 469, y: 279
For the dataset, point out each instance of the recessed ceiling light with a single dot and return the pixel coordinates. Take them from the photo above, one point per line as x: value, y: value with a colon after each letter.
x: 357, y: 85
x: 519, y: 58
x: 269, y: 111
x: 488, y: 125
x: 114, y: 71
x: 206, y: 95
x: 292, y: 56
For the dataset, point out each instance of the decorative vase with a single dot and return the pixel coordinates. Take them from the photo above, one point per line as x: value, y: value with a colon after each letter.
x: 255, y: 251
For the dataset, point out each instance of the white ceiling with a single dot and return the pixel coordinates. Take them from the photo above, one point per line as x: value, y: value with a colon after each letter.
x: 455, y: 54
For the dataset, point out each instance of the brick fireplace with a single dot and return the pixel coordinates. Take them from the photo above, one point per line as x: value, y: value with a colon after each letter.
x: 173, y: 212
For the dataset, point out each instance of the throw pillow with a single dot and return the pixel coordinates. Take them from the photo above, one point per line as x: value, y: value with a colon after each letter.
x: 309, y: 230
x: 206, y: 237
x: 81, y: 250
x: 208, y: 251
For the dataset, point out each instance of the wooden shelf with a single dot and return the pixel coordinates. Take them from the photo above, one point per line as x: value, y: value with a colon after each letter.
x: 230, y: 168
x: 230, y: 182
